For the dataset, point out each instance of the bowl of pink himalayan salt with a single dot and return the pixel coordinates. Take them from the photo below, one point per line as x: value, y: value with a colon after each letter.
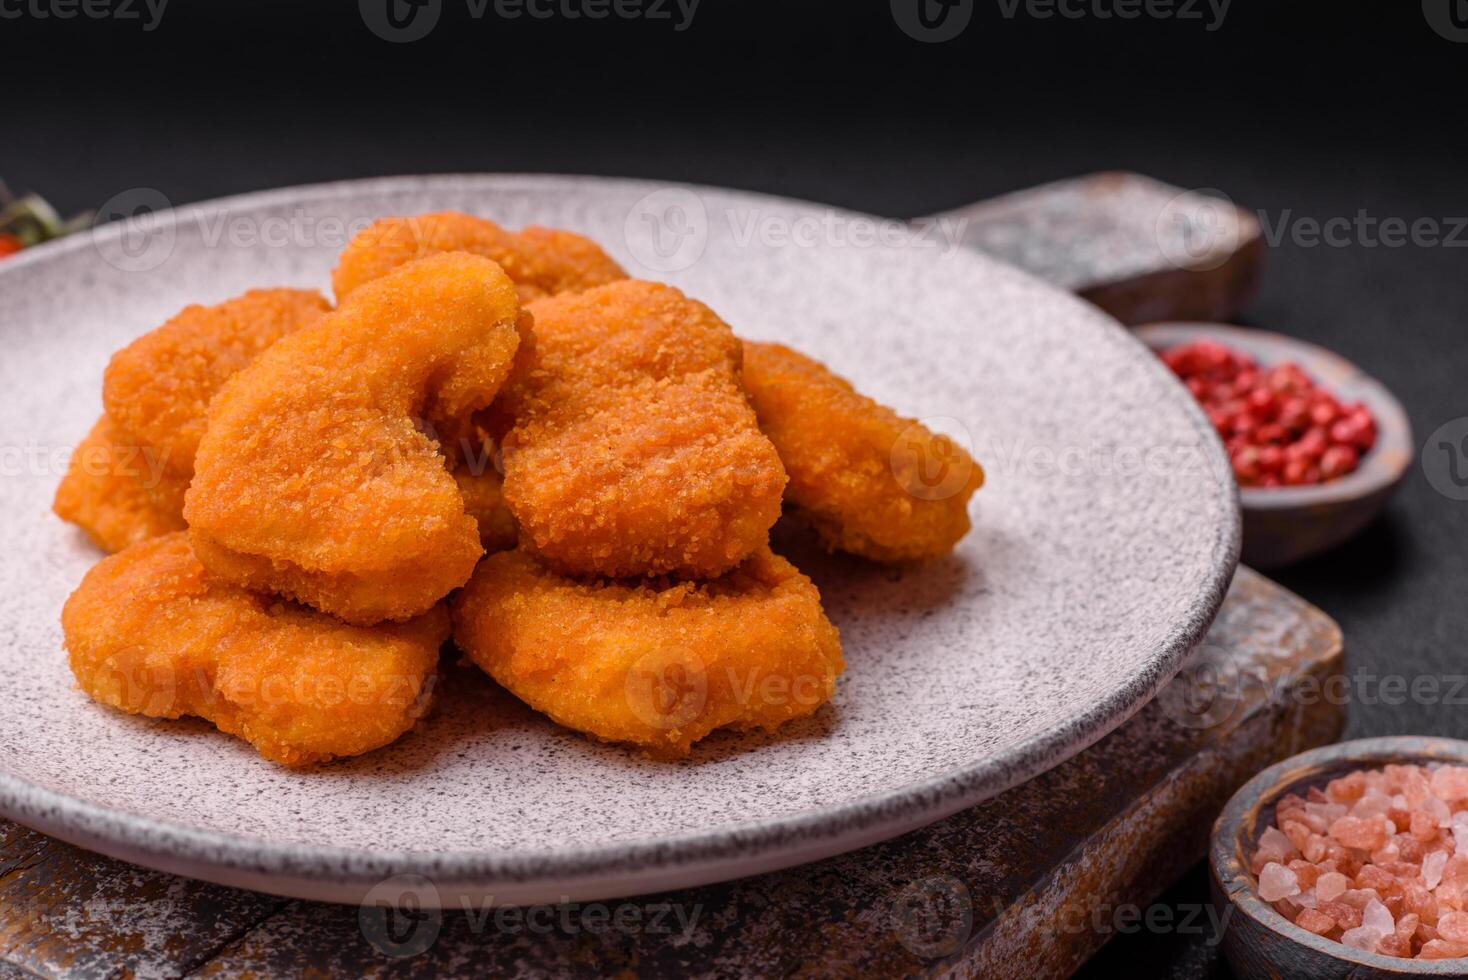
x: 1349, y: 860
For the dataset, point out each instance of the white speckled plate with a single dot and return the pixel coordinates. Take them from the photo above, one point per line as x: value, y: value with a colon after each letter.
x: 1104, y: 541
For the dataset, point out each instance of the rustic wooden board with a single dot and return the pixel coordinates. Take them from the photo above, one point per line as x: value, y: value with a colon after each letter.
x: 993, y: 891
x: 1140, y: 249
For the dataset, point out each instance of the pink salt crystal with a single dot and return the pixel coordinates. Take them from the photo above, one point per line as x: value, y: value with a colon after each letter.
x: 1460, y: 832
x: 1315, y: 849
x: 1373, y: 804
x: 1288, y: 908
x: 1362, y: 938
x: 1437, y: 949
x: 1450, y: 783
x: 1423, y: 826
x: 1395, y: 946
x: 1451, y: 895
x: 1375, y: 916
x: 1299, y: 835
x: 1410, y: 848
x: 1344, y: 915
x: 1313, y: 920
x: 1331, y: 886
x: 1457, y: 868
x: 1375, y: 878
x: 1315, y: 795
x: 1365, y: 833
x: 1387, y: 853
x: 1277, y: 882
x: 1358, y: 897
x: 1404, y: 872
x: 1407, y: 926
x: 1276, y: 846
x: 1417, y: 900
x: 1305, y: 872
x: 1416, y: 787
x: 1432, y: 868
x: 1347, y: 789
x: 1453, y: 926
x: 1394, y: 776
x: 1306, y: 899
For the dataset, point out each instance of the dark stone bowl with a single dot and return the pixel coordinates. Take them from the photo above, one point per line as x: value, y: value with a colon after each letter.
x: 1259, y: 942
x: 1283, y: 525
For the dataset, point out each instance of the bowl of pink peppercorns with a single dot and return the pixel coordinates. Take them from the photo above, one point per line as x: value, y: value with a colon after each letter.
x: 1317, y: 446
x: 1349, y: 860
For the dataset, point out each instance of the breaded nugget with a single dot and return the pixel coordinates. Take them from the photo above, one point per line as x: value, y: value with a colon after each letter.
x: 106, y: 491
x: 867, y: 480
x: 657, y: 663
x: 314, y: 480
x: 158, y: 388
x: 150, y: 632
x: 634, y: 450
x: 484, y: 500
x: 540, y: 261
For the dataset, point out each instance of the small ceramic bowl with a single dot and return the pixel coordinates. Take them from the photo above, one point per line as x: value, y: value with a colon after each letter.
x: 1259, y: 942
x: 1286, y: 524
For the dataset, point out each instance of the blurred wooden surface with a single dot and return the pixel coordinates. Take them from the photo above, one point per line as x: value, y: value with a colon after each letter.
x: 1140, y: 249
x: 1008, y: 888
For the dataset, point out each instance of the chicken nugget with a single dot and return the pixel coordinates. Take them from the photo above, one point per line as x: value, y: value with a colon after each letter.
x: 484, y: 500
x: 149, y: 632
x: 106, y: 491
x: 634, y: 450
x: 158, y: 388
x: 656, y: 663
x: 540, y: 261
x: 867, y: 480
x: 314, y: 478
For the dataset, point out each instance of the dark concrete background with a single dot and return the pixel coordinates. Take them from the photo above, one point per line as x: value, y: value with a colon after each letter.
x: 1305, y: 114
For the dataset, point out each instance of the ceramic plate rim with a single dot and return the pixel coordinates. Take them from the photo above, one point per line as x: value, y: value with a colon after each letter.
x: 623, y: 868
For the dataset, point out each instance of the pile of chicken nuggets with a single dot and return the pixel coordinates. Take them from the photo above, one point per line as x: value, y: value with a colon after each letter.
x: 494, y: 438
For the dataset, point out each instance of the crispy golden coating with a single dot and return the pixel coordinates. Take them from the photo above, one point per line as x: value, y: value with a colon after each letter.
x: 658, y: 663
x: 150, y: 632
x: 484, y: 500
x: 106, y: 491
x: 867, y: 480
x: 540, y: 261
x: 158, y: 388
x: 314, y: 480
x: 634, y: 450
